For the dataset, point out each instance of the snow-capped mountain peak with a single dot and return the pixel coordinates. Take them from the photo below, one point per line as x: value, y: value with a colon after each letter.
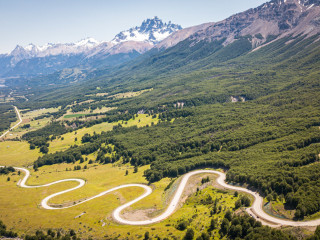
x: 151, y: 30
x: 30, y: 47
x: 88, y: 42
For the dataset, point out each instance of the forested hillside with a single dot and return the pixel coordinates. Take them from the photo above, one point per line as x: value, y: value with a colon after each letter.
x: 256, y: 115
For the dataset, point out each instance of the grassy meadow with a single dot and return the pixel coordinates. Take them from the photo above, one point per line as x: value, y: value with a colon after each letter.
x: 16, y: 153
x: 23, y: 214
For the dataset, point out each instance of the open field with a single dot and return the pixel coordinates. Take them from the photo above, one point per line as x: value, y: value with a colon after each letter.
x: 38, y: 112
x: 129, y: 94
x: 29, y: 118
x: 26, y: 201
x: 16, y: 153
x: 70, y: 115
x: 71, y: 138
x: 122, y: 95
x: 34, y: 125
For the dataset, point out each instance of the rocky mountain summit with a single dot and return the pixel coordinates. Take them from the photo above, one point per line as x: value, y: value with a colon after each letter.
x: 151, y: 30
x: 135, y: 41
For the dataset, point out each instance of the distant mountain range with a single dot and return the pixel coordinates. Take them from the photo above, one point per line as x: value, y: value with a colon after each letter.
x: 53, y: 57
x: 32, y: 51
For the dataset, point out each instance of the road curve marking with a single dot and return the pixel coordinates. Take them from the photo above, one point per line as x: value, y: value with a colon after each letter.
x: 255, y: 210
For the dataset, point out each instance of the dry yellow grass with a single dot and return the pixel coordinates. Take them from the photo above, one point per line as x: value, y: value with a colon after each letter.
x: 129, y: 94
x: 16, y: 153
x: 73, y: 115
x: 24, y: 213
x: 25, y: 216
x: 102, y: 94
x: 38, y: 112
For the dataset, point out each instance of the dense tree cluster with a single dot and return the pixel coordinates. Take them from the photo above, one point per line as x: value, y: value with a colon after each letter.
x: 7, y: 116
x: 243, y: 201
x: 25, y: 126
x: 40, y: 235
x: 40, y: 137
x: 53, y: 235
x: 246, y: 227
x: 160, y: 170
x: 5, y: 233
x: 6, y: 170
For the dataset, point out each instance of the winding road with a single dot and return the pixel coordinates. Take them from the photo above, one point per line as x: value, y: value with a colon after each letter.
x: 16, y: 125
x: 255, y: 210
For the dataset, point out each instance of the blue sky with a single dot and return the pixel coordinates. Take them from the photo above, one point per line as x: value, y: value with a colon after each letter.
x: 41, y: 21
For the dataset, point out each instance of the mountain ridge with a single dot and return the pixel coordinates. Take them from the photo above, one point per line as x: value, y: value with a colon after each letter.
x: 277, y: 17
x: 253, y: 29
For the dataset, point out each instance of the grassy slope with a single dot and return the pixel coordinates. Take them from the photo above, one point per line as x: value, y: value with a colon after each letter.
x: 15, y: 153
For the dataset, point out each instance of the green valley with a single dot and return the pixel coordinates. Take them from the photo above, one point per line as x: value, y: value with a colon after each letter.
x: 240, y: 96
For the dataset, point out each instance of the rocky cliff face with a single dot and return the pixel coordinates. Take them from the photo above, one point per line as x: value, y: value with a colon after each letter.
x: 275, y: 18
x: 181, y: 35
